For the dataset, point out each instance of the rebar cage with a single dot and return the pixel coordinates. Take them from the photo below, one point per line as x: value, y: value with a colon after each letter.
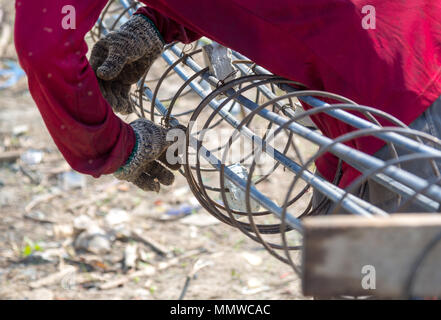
x: 251, y: 148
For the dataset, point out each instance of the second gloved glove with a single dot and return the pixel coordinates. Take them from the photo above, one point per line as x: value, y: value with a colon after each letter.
x: 142, y: 168
x: 122, y: 58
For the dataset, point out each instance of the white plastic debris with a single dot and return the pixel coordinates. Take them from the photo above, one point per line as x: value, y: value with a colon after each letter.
x: 39, y: 294
x: 200, y: 220
x: 183, y: 191
x: 253, y: 283
x: 193, y: 201
x: 130, y: 256
x: 116, y: 217
x: 235, y: 196
x: 194, y: 232
x: 72, y: 180
x: 94, y: 240
x: 252, y: 259
x: 142, y: 294
x: 253, y: 286
x: 83, y: 222
x: 63, y: 231
x: 31, y: 157
x: 20, y: 130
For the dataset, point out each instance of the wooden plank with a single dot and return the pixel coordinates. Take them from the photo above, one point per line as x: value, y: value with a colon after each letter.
x: 343, y: 253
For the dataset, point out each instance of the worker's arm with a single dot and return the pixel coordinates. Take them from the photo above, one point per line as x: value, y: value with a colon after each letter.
x: 51, y: 48
x: 90, y: 136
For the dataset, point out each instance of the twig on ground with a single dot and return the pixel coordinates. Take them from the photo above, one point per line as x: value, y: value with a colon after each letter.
x: 149, y: 271
x: 197, y: 266
x: 32, y: 176
x: 41, y: 199
x: 10, y: 156
x: 155, y: 246
x: 36, y: 219
x: 53, y: 278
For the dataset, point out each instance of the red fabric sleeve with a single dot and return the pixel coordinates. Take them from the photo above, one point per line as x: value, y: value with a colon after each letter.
x: 92, y: 139
x: 170, y: 30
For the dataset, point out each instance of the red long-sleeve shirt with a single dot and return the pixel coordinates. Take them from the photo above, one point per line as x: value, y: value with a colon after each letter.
x: 395, y: 67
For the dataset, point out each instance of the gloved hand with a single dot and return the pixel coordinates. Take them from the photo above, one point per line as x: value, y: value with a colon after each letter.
x: 142, y: 169
x: 122, y: 58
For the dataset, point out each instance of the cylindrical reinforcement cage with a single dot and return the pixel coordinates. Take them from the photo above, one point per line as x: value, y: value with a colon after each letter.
x: 251, y: 149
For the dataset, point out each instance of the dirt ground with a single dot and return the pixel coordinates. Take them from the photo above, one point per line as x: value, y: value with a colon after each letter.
x: 69, y: 236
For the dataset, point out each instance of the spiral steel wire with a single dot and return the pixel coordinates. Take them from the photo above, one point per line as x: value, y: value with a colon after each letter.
x: 259, y: 174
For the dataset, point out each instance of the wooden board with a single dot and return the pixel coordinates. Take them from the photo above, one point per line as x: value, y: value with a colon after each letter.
x: 343, y: 252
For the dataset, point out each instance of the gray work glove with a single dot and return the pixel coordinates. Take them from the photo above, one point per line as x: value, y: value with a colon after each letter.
x: 123, y: 57
x: 142, y: 169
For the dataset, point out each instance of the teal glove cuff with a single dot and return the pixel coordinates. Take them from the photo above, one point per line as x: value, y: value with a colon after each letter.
x: 132, y: 155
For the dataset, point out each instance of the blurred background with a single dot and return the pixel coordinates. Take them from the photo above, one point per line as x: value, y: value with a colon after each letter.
x: 64, y: 235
